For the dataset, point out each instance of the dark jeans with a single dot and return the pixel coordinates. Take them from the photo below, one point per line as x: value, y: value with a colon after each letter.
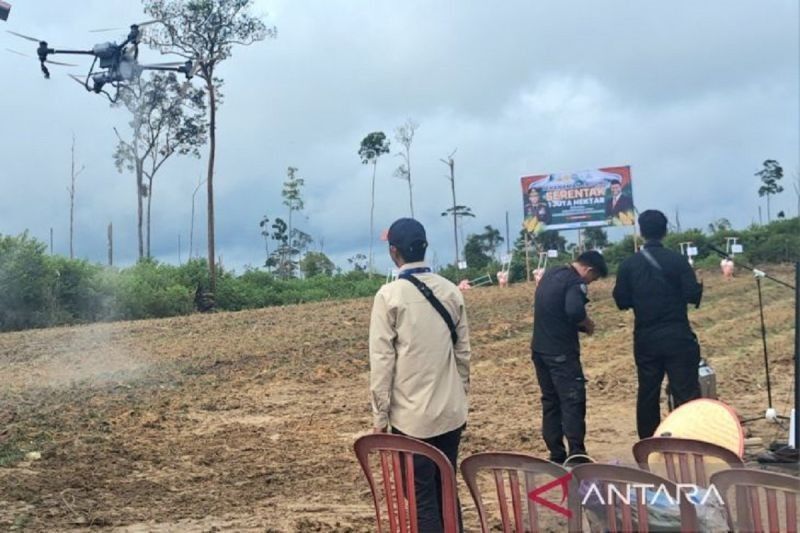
x: 563, y: 389
x: 428, y: 482
x: 679, y: 359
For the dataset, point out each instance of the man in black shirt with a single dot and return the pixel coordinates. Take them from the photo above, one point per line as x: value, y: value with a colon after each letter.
x: 658, y: 284
x: 559, y: 313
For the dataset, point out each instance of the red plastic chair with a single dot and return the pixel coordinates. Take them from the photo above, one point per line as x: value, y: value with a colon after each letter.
x: 685, y: 460
x: 624, y: 481
x: 522, y: 472
x: 754, y: 487
x: 397, y: 460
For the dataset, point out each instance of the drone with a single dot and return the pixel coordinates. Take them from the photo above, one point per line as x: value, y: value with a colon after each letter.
x: 114, y: 65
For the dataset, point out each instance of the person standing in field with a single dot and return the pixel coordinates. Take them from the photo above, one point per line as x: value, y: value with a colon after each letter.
x: 419, y: 362
x: 559, y: 314
x: 658, y: 284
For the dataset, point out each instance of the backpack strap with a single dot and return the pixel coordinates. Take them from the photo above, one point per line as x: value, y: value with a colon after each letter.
x: 656, y: 267
x: 650, y: 259
x: 434, y: 301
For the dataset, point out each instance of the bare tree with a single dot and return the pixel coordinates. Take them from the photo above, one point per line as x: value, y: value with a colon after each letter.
x: 796, y: 186
x: 71, y: 190
x: 372, y: 147
x: 200, y: 182
x: 167, y: 117
x: 451, y: 164
x: 264, y: 225
x: 205, y: 32
x: 405, y: 136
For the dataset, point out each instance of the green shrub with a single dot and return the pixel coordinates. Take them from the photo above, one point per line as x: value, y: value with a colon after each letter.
x: 26, y: 278
x: 38, y: 290
x: 151, y: 290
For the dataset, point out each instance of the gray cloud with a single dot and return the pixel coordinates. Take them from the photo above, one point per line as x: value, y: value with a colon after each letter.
x: 694, y: 96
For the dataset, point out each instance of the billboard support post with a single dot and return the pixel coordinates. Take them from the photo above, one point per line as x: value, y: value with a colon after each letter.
x: 527, y: 257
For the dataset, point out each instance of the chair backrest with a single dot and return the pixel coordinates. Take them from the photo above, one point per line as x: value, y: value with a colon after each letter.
x: 685, y: 460
x: 617, y: 489
x: 480, y: 281
x: 515, y: 476
x: 396, y: 454
x: 754, y: 488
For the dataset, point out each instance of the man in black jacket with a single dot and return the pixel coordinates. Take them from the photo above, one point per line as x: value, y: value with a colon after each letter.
x: 658, y: 284
x: 559, y: 313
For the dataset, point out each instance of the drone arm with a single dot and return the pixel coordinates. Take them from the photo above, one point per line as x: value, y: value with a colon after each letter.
x: 167, y: 69
x: 75, y: 52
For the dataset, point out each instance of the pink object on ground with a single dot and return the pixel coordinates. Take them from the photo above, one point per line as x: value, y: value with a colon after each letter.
x: 464, y: 285
x: 727, y: 267
x: 502, y: 278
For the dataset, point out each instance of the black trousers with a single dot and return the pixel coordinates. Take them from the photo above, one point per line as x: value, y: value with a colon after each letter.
x: 428, y: 482
x: 679, y: 359
x: 563, y: 389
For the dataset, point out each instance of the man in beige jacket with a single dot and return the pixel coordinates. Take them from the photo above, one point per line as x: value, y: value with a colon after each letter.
x: 419, y: 367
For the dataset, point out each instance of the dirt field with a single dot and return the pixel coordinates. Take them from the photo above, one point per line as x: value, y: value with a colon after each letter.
x: 246, y: 420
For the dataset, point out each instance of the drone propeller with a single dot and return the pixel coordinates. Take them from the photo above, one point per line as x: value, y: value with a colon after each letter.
x: 138, y: 24
x: 28, y: 37
x: 168, y: 64
x: 60, y: 63
x: 77, y: 79
x: 47, y: 61
x: 148, y: 22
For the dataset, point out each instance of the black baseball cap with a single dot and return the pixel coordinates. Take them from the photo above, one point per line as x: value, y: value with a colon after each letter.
x: 408, y: 235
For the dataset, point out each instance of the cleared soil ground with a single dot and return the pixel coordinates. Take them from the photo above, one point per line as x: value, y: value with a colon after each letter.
x: 246, y: 421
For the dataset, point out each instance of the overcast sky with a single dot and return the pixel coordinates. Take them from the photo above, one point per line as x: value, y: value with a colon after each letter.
x: 692, y: 95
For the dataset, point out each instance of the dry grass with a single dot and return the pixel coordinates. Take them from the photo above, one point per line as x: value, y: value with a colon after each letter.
x: 246, y: 420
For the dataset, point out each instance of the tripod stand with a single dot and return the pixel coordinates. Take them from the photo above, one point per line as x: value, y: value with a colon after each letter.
x: 771, y: 413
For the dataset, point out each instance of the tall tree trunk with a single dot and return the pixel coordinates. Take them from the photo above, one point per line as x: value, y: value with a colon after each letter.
x: 451, y: 164
x: 508, y: 238
x: 110, y: 244
x: 769, y: 214
x: 372, y: 214
x: 191, y: 228
x: 139, y: 207
x: 72, y: 200
x: 149, y: 202
x: 288, y: 249
x: 212, y: 146
x: 191, y: 232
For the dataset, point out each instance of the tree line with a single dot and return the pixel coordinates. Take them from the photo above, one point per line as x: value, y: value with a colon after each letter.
x: 41, y: 290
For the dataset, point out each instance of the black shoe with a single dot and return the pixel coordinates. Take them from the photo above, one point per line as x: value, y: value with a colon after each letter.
x: 557, y: 459
x: 577, y: 459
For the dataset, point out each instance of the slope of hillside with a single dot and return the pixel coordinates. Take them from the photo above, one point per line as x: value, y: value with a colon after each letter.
x: 246, y: 420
